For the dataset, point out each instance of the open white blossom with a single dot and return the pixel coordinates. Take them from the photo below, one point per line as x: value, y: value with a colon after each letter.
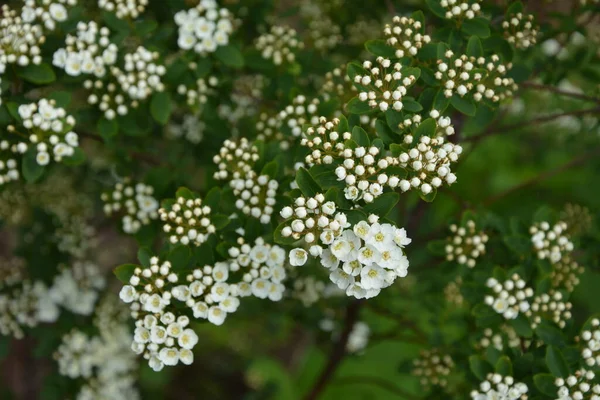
x: 204, y: 28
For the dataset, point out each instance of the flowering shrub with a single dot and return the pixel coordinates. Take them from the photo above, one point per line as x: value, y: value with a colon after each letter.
x: 299, y: 199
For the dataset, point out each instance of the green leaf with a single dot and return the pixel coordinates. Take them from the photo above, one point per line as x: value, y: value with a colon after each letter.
x: 280, y: 239
x: 230, y: 56
x: 144, y: 255
x: 271, y: 169
x: 520, y: 244
x: 77, y: 158
x: 114, y: 23
x: 379, y: 47
x: 476, y: 26
x: 30, y: 169
x: 556, y: 362
x: 382, y: 205
x: 107, y: 128
x: 360, y: 136
x: 463, y: 105
x: 522, y: 326
x: 545, y: 384
x: 411, y: 105
x: 515, y: 8
x: 142, y: 28
x: 425, y: 128
x: 550, y: 334
x: 429, y: 197
x: 306, y: 183
x: 355, y: 106
x: 125, y: 272
x: 479, y: 367
x: 436, y: 8
x: 161, y: 107
x: 179, y: 257
x: 38, y: 74
x: 220, y: 221
x: 353, y: 69
x: 213, y: 198
x: 185, y: 193
x: 385, y: 133
x: 62, y: 98
x: 441, y: 102
x: 474, y: 47
x: 437, y: 247
x: 504, y: 366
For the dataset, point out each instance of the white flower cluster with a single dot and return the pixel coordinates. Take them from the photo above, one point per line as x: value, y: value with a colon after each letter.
x: 76, y: 288
x: 49, y: 129
x: 550, y: 306
x: 25, y: 306
x: 9, y: 167
x: 246, y: 93
x: 103, y: 360
x: 280, y: 45
x: 466, y: 245
x: 235, y: 159
x: 48, y: 12
x: 520, y: 30
x: 309, y: 290
x: 498, y: 340
x: 367, y: 258
x: 324, y: 33
x: 565, y: 273
x: 443, y: 126
x: 187, y: 221
x: 428, y: 164
x: 480, y: 78
x: 510, y: 297
x: 453, y: 294
x: 136, y: 80
x: 20, y: 41
x: 498, y: 387
x: 124, y: 8
x: 461, y: 9
x: 591, y: 342
x: 551, y: 242
x: 383, y: 85
x: 406, y: 35
x: 191, y: 128
x: 76, y: 237
x: 255, y: 195
x: 358, y: 339
x: 12, y: 271
x: 204, y: 28
x: 88, y: 53
x: 135, y: 202
x: 337, y: 84
x: 432, y: 368
x: 198, y: 95
x: 578, y: 386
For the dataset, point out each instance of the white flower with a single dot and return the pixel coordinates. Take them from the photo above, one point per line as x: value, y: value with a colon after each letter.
x: 158, y: 334
x: 372, y: 277
x: 260, y: 288
x: 200, y: 310
x: 58, y: 12
x: 298, y: 257
x: 188, y: 339
x: 169, y: 356
x: 369, y: 255
x: 127, y: 293
x: 186, y: 356
x: 154, y: 303
x: 400, y: 237
x: 341, y: 279
x: 216, y: 315
x: 155, y: 364
x: 328, y: 260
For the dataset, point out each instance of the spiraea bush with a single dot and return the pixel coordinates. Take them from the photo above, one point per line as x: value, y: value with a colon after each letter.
x: 267, y: 199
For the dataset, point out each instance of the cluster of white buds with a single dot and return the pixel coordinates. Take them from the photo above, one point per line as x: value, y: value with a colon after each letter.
x: 579, y: 219
x: 246, y: 93
x: 432, y: 368
x: 124, y: 8
x: 280, y: 45
x: 204, y: 28
x: 498, y: 340
x: 135, y: 202
x: 579, y: 386
x: 443, y: 126
x: 337, y: 84
x: 198, y: 95
x: 48, y: 12
x: 25, y: 306
x: 365, y: 259
x: 20, y: 41
x: 551, y: 242
x: 76, y: 287
x: 565, y: 273
x: 48, y: 128
x: 308, y: 219
x: 591, y: 344
x: 324, y: 33
x: 75, y: 355
x: 500, y: 387
x: 187, y: 221
x: 136, y: 80
x: 89, y: 53
x: 453, y: 294
x: 549, y: 306
x: 76, y: 237
x: 383, y: 86
x: 308, y: 290
x: 480, y: 78
x: 461, y: 9
x: 520, y: 30
x: 9, y: 167
x: 255, y: 195
x: 428, y: 164
x: 12, y: 271
x: 263, y: 269
x: 466, y: 245
x: 358, y: 339
x: 191, y: 128
x: 160, y: 335
x: 406, y: 35
x: 235, y: 159
x: 268, y: 127
x: 510, y: 297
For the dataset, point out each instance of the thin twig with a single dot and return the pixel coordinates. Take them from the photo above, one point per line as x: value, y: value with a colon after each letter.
x: 375, y: 381
x: 338, y: 351
x: 543, y: 176
x: 552, y: 89
x: 533, y: 121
